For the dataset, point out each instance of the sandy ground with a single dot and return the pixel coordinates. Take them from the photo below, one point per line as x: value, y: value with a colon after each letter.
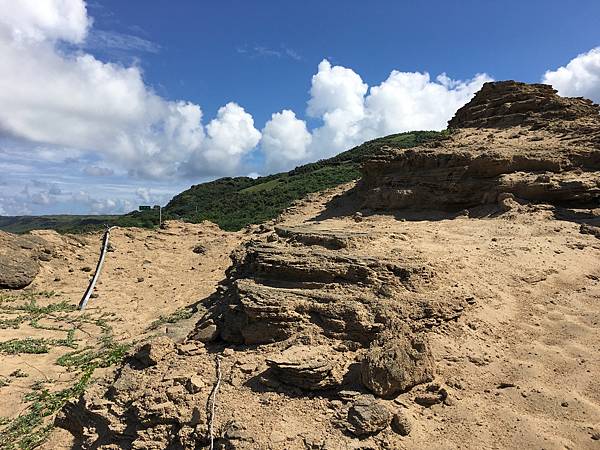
x: 522, y: 362
x: 150, y: 273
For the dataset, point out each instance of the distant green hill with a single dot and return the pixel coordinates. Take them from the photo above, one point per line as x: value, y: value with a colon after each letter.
x: 233, y: 203
x: 66, y: 223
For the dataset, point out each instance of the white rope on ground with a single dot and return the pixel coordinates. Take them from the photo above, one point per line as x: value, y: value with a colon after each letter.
x: 214, y: 402
x: 90, y: 289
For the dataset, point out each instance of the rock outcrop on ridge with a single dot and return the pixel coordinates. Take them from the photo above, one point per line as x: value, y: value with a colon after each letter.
x: 507, y: 104
x: 512, y: 138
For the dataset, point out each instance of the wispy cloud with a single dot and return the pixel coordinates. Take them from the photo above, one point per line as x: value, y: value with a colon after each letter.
x: 112, y: 40
x: 261, y: 51
x: 97, y: 171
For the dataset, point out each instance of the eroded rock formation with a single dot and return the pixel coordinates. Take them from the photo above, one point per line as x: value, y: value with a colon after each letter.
x: 325, y: 321
x: 503, y: 104
x: 511, y: 138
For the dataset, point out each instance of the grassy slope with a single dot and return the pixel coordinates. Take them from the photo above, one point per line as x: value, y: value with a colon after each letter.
x: 236, y: 202
x: 233, y: 203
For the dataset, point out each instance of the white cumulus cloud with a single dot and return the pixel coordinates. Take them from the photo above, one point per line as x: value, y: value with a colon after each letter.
x: 229, y: 137
x: 412, y: 101
x: 39, y: 20
x: 70, y: 99
x: 579, y: 78
x: 285, y: 141
x: 352, y: 113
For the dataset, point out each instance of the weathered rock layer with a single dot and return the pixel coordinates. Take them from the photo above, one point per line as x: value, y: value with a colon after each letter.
x: 537, y: 146
x: 510, y: 103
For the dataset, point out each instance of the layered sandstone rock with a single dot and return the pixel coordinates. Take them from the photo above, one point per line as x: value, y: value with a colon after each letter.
x: 513, y: 138
x: 503, y: 104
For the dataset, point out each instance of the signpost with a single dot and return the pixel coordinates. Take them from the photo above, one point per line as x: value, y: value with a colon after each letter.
x: 159, y: 214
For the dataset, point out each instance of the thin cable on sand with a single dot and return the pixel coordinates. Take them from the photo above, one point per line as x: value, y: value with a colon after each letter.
x: 214, y: 402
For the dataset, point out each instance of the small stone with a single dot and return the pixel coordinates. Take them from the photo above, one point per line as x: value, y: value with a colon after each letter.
x: 194, y: 384
x: 152, y: 352
x: 190, y: 349
x: 401, y: 424
x: 86, y: 269
x: 348, y: 395
x: 57, y: 279
x: 199, y: 249
x: 477, y: 360
x: 564, y: 404
x: 596, y: 436
x: 235, y: 431
x: 140, y: 279
x: 206, y: 332
x: 448, y: 401
x: 44, y: 257
x: 367, y: 417
x: 428, y: 399
x: 93, y: 295
x: 248, y: 368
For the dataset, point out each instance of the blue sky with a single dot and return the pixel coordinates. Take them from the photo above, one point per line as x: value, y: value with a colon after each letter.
x: 202, y: 44
x: 125, y: 103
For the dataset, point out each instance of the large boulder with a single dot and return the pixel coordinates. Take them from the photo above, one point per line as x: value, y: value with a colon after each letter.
x: 19, y: 257
x: 17, y: 270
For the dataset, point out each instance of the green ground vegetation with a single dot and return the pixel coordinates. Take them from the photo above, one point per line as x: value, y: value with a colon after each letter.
x: 32, y: 426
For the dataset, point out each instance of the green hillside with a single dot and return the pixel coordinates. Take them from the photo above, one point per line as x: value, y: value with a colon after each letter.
x: 233, y: 203
x: 66, y: 223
